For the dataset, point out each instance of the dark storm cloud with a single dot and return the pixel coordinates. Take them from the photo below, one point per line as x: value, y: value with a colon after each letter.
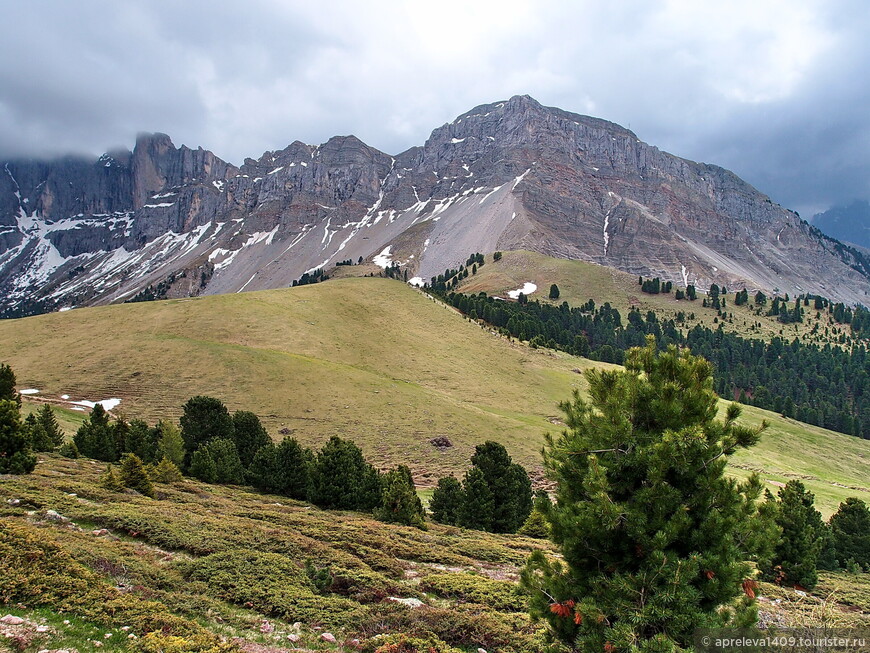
x: 774, y: 90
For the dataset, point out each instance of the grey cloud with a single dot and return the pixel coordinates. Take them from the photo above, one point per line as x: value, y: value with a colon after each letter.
x: 774, y: 90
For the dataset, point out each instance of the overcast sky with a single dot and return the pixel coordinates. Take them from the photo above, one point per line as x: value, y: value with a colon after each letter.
x: 777, y: 91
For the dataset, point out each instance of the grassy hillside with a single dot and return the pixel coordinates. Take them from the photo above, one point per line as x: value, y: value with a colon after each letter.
x: 831, y: 465
x: 365, y: 358
x: 579, y: 281
x: 219, y: 569
x: 369, y: 359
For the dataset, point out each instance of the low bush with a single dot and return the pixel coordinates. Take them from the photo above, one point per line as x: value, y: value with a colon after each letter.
x: 500, y: 595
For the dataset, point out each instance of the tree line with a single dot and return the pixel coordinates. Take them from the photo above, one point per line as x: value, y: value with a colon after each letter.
x: 823, y: 385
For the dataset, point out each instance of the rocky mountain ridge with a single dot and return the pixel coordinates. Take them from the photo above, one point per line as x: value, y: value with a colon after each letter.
x: 508, y: 175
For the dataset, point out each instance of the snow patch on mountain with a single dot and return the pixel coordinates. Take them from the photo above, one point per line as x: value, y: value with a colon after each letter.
x: 527, y: 289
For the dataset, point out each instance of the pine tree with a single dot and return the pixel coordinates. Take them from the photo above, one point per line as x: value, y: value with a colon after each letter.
x: 647, y: 522
x: 36, y: 434
x: 110, y: 480
x: 850, y: 527
x: 293, y: 469
x: 509, y: 486
x: 95, y: 438
x: 69, y: 450
x: 263, y: 469
x: 202, y: 466
x: 478, y: 504
x: 399, y: 501
x: 119, y: 432
x: 7, y: 385
x: 204, y: 419
x: 169, y: 442
x: 554, y: 291
x: 141, y: 440
x: 827, y: 559
x: 249, y: 435
x: 46, y: 418
x: 228, y: 466
x: 165, y: 471
x: 15, y: 450
x: 342, y: 479
x: 134, y: 476
x: 796, y: 554
x: 535, y: 526
x: 446, y: 501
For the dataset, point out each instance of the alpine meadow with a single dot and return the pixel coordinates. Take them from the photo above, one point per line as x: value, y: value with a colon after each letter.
x: 531, y: 386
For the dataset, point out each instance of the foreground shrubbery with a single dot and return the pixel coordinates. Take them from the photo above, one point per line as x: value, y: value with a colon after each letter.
x: 38, y: 573
x: 230, y: 558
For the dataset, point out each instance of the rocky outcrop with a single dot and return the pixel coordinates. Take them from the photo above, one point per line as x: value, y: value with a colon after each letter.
x: 507, y: 175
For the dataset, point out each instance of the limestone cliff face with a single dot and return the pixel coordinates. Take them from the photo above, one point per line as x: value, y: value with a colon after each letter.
x: 507, y: 175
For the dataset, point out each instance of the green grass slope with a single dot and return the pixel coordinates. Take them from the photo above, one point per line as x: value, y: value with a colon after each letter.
x: 365, y: 358
x: 369, y: 359
x: 579, y: 281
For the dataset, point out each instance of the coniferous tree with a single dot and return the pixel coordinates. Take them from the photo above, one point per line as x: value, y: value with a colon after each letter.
x: 227, y: 465
x: 796, y: 554
x: 169, y: 442
x: 827, y: 559
x: 7, y: 385
x: 141, y: 441
x: 293, y: 469
x: 46, y: 418
x: 15, y: 450
x: 134, y: 476
x: 165, y: 471
x: 399, y: 501
x: 645, y: 518
x: 204, y: 419
x: 476, y: 509
x: 36, y: 434
x: 554, y: 291
x: 110, y: 480
x: 342, y: 479
x: 202, y: 466
x: 119, y: 432
x: 263, y: 469
x: 95, y: 438
x: 282, y: 469
x: 69, y: 449
x: 850, y: 527
x: 535, y: 526
x: 446, y: 501
x: 249, y: 435
x: 509, y: 487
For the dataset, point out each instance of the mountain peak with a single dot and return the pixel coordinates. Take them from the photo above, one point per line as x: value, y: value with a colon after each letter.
x: 153, y: 140
x: 512, y: 174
